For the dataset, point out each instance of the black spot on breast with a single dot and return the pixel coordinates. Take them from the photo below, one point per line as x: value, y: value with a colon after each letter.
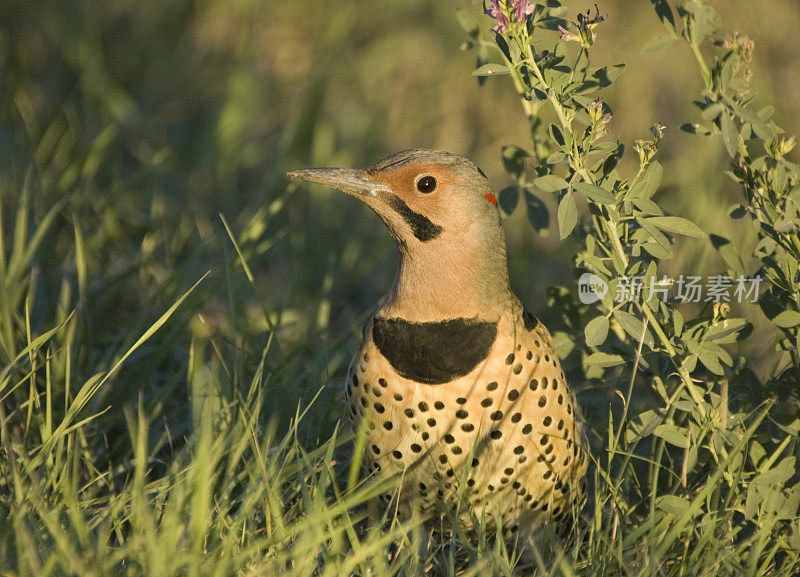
x: 436, y: 352
x: 421, y: 226
x: 529, y: 320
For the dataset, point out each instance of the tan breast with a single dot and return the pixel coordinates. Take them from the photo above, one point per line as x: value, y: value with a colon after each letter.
x: 503, y: 437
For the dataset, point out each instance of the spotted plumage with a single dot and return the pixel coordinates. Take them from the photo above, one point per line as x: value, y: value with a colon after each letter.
x: 504, y: 435
x: 458, y: 388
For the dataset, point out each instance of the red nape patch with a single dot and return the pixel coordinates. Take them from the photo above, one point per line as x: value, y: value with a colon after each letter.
x: 490, y: 197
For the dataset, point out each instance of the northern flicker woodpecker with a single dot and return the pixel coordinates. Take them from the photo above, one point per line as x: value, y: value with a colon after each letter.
x: 458, y: 387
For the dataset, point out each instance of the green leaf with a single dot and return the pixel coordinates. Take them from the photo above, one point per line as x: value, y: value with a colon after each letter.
x: 643, y: 425
x: 600, y: 359
x: 468, y: 22
x: 508, y: 199
x: 777, y: 475
x: 647, y: 184
x: 760, y: 127
x: 563, y: 343
x: 514, y: 160
x: 695, y: 128
x: 787, y: 319
x: 766, y: 112
x: 594, y: 193
x: 657, y: 250
x: 664, y: 13
x: 656, y: 234
x: 558, y: 136
x: 730, y: 136
x: 491, y: 69
x: 647, y: 206
x: 550, y: 183
x: 737, y: 211
x: 712, y: 111
x: 728, y: 252
x: 538, y: 215
x: 673, y: 505
x: 727, y: 331
x: 567, y: 215
x: 509, y: 52
x: 677, y: 225
x: 677, y: 322
x: 633, y: 327
x: 711, y: 356
x: 596, y: 331
x: 608, y: 74
x: 658, y: 43
x: 671, y: 434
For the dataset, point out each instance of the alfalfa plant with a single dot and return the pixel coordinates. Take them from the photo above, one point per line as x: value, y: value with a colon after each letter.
x: 698, y: 462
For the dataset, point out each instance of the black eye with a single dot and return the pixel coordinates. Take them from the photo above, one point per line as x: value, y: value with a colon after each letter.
x: 426, y: 184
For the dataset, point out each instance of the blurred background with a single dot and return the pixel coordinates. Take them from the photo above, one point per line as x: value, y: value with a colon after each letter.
x: 147, y: 122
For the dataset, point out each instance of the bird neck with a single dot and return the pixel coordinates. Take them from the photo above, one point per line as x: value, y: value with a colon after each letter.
x: 457, y: 276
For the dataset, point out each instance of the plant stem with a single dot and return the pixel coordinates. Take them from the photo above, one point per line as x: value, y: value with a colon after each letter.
x: 608, y: 226
x: 702, y: 63
x: 686, y: 379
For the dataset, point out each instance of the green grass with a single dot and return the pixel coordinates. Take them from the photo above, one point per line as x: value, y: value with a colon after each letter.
x: 198, y: 475
x: 176, y: 321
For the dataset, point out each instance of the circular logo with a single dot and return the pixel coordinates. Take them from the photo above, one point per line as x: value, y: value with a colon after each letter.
x: 591, y: 288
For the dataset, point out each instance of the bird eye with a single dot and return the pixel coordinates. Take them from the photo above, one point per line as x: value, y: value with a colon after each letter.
x: 426, y: 184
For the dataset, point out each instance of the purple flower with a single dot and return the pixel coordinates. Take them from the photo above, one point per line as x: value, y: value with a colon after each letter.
x: 566, y: 35
x: 519, y: 10
x: 585, y: 32
x: 523, y: 9
x: 502, y: 20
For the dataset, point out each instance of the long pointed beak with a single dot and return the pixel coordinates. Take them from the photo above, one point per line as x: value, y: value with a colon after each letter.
x: 347, y: 180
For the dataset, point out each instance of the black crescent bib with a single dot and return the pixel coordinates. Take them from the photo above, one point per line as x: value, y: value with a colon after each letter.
x: 433, y: 353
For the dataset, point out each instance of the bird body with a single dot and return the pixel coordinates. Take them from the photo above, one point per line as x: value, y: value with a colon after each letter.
x: 458, y: 388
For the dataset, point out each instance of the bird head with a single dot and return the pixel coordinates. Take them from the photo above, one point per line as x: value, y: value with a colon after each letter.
x: 442, y: 211
x: 422, y: 195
